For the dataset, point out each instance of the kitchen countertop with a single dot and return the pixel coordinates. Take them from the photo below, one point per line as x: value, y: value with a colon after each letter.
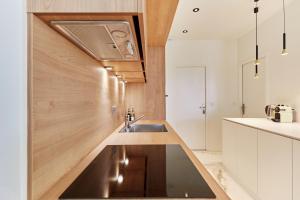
x: 290, y: 130
x: 170, y: 137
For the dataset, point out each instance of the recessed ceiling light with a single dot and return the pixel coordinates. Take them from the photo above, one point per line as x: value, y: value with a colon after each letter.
x: 196, y: 9
x: 185, y: 31
x: 108, y: 68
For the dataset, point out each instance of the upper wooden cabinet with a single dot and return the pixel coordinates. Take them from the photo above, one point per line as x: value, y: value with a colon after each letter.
x: 150, y: 22
x: 129, y: 69
x: 85, y: 6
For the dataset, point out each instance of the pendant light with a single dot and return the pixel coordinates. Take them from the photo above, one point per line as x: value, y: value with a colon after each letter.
x: 284, y: 50
x: 256, y: 9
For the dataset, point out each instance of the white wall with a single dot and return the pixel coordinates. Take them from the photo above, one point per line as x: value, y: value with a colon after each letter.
x: 282, y: 72
x: 13, y: 101
x: 220, y: 58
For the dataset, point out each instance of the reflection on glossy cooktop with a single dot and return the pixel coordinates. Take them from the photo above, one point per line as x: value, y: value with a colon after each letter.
x: 140, y: 171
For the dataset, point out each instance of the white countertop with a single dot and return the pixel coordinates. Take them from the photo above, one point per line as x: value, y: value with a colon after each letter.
x: 291, y: 130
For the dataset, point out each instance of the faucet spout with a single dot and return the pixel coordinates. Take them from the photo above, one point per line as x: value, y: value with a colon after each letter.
x: 128, y: 123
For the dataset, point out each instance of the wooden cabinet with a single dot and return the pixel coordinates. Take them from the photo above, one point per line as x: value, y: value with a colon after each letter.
x: 84, y: 6
x: 274, y: 167
x: 296, y: 170
x: 247, y: 157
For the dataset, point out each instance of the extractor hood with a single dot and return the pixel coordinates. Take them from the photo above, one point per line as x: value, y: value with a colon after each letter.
x: 104, y: 40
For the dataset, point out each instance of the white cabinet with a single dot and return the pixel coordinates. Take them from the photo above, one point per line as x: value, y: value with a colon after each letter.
x: 229, y: 146
x: 240, y: 154
x: 247, y: 158
x: 274, y: 167
x: 296, y: 170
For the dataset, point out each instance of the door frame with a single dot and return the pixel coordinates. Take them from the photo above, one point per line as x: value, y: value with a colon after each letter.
x: 241, y: 79
x: 205, y: 100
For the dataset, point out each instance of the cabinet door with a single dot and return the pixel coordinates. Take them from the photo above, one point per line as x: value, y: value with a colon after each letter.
x: 274, y: 167
x: 229, y: 146
x: 247, y: 157
x: 296, y: 170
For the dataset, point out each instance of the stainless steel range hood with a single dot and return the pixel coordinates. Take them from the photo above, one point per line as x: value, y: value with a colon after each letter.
x: 104, y: 40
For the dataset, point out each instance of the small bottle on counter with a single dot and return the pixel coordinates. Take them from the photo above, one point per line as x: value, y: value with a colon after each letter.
x: 129, y: 114
x: 132, y: 114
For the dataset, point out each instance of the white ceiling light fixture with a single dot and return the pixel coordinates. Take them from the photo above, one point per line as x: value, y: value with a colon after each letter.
x: 109, y: 68
x: 185, y: 31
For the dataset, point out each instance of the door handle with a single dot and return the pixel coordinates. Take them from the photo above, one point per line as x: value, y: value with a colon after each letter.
x: 203, y: 107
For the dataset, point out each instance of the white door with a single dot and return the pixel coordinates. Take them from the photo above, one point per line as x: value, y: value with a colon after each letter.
x: 186, y: 106
x: 253, y: 91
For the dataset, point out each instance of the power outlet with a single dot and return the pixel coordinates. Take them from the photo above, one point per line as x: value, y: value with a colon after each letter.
x: 113, y: 109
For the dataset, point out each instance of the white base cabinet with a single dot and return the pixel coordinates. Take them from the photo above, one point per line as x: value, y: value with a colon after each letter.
x: 296, y: 170
x: 267, y: 165
x: 274, y: 167
x: 247, y: 158
x: 240, y: 154
x: 229, y: 146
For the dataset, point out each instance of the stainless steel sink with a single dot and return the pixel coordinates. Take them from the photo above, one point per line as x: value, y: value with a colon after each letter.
x: 146, y: 128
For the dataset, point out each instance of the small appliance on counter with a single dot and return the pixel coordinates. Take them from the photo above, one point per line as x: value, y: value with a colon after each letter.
x: 280, y: 113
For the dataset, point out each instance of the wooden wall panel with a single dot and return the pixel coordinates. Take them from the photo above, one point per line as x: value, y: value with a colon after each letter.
x: 160, y: 15
x: 70, y: 111
x: 149, y: 98
x: 135, y: 96
x: 83, y: 6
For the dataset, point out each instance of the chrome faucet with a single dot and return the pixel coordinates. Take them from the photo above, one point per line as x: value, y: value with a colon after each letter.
x: 128, y: 122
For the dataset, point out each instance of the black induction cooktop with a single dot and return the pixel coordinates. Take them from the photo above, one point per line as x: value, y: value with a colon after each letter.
x: 140, y: 171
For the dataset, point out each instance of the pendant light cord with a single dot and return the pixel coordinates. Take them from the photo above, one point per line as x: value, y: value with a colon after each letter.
x: 256, y: 23
x: 283, y: 15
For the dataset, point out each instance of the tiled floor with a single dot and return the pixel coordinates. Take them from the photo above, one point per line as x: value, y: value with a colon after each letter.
x: 213, y: 163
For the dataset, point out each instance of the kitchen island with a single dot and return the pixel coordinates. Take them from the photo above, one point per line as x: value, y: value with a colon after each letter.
x: 143, y: 138
x: 263, y: 156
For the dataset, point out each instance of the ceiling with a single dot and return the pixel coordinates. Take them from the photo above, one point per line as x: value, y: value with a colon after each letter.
x: 220, y: 19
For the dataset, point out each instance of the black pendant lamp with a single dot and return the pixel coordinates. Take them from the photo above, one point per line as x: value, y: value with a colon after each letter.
x: 256, y: 9
x: 284, y: 50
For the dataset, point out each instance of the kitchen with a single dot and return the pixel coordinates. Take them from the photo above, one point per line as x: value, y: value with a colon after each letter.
x: 80, y: 73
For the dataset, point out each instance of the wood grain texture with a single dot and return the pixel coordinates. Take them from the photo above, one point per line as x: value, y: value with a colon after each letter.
x: 124, y: 66
x: 135, y: 96
x: 83, y: 6
x: 131, y: 75
x: 152, y: 105
x: 160, y: 15
x: 70, y: 111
